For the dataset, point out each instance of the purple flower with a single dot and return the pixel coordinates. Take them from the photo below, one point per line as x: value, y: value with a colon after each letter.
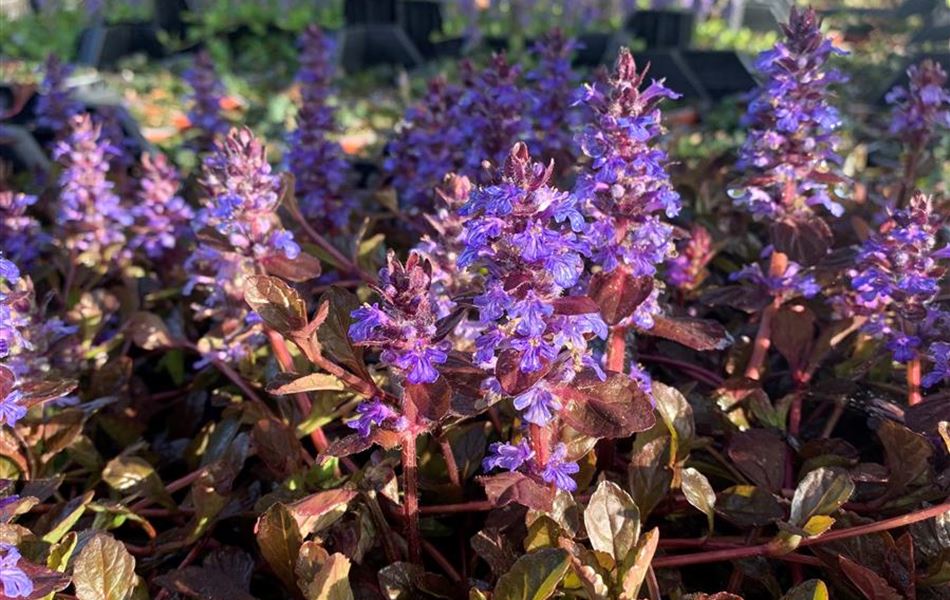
x: 507, y: 456
x: 56, y: 105
x: 921, y: 109
x: 551, y: 112
x: 16, y: 583
x: 791, y: 122
x: 688, y: 269
x: 316, y: 161
x: 939, y: 353
x: 404, y: 326
x: 11, y: 410
x: 558, y: 472
x: 794, y: 281
x: 91, y: 217
x: 538, y: 405
x: 896, y: 280
x: 162, y: 218
x: 375, y: 414
x: 22, y: 236
x: 207, y: 91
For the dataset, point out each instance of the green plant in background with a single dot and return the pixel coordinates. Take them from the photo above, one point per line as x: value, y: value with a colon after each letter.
x: 715, y: 34
x: 35, y: 35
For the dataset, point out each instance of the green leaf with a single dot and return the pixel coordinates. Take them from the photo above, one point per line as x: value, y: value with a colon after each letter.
x: 59, y: 555
x: 821, y: 492
x: 290, y: 383
x: 330, y: 581
x: 104, y: 570
x: 612, y: 520
x: 67, y: 517
x: 678, y: 416
x: 637, y: 564
x: 649, y: 476
x: 280, y: 541
x: 333, y: 333
x: 813, y: 589
x: 534, y: 576
x: 699, y: 493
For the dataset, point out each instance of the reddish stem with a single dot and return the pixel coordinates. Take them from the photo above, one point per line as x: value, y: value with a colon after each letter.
x: 698, y: 372
x: 450, y: 464
x: 768, y: 550
x: 343, y: 262
x: 410, y: 471
x: 616, y: 348
x: 763, y: 338
x: 913, y: 382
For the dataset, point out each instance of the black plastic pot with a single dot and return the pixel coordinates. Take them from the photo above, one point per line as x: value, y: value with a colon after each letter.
x: 495, y: 43
x: 365, y: 46
x: 370, y: 12
x: 421, y: 19
x: 102, y: 46
x: 592, y: 47
x: 449, y: 48
x: 662, y: 28
x: 671, y: 65
x: 721, y: 72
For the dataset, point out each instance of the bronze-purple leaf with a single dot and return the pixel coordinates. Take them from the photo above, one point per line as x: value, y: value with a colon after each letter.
x: 619, y: 293
x: 39, y: 391
x: 698, y: 334
x: 45, y: 581
x: 575, y: 305
x: 278, y: 304
x: 508, y: 371
x: 517, y: 488
x: 793, y: 331
x: 804, y: 240
x: 760, y: 455
x: 614, y: 408
x: 432, y: 400
x: 300, y: 269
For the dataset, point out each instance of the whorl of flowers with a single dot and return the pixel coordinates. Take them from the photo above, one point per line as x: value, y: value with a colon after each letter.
x: 426, y: 146
x: 91, y: 217
x: 316, y: 161
x: 12, y: 341
x: 626, y: 189
x: 207, y: 92
x: 10, y: 336
x: 16, y: 583
x: 552, y: 114
x: 896, y: 281
x: 491, y: 113
x: 403, y: 326
x: 525, y: 235
x: 241, y: 204
x: 793, y: 281
x: 21, y: 234
x: 162, y: 217
x: 687, y: 269
x: 789, y: 154
x: 56, y: 105
x: 923, y: 107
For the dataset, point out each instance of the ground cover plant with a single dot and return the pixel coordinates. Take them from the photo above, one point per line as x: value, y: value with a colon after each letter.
x: 566, y: 337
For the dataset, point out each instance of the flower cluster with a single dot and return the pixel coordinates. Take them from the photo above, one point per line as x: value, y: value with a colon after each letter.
x: 91, y: 217
x: 687, y: 270
x: 22, y: 235
x: 11, y: 341
x: 553, y: 117
x: 427, y: 145
x: 791, y: 281
x: 896, y: 282
x: 56, y: 105
x: 16, y: 583
x: 242, y: 199
x: 626, y: 188
x: 207, y: 91
x: 162, y: 217
x: 491, y: 113
x: 316, y: 161
x: 404, y: 327
x: 525, y: 234
x: 923, y: 107
x: 789, y: 154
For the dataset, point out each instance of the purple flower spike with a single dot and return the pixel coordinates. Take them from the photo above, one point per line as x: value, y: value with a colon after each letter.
x: 507, y: 456
x: 162, y: 217
x: 22, y: 235
x: 16, y: 583
x: 56, y: 105
x: 91, y: 217
x: 207, y: 91
x: 558, y: 471
x: 403, y: 326
x: 923, y: 108
x: 792, y: 122
x: 939, y: 353
x: 316, y: 161
x: 538, y: 405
